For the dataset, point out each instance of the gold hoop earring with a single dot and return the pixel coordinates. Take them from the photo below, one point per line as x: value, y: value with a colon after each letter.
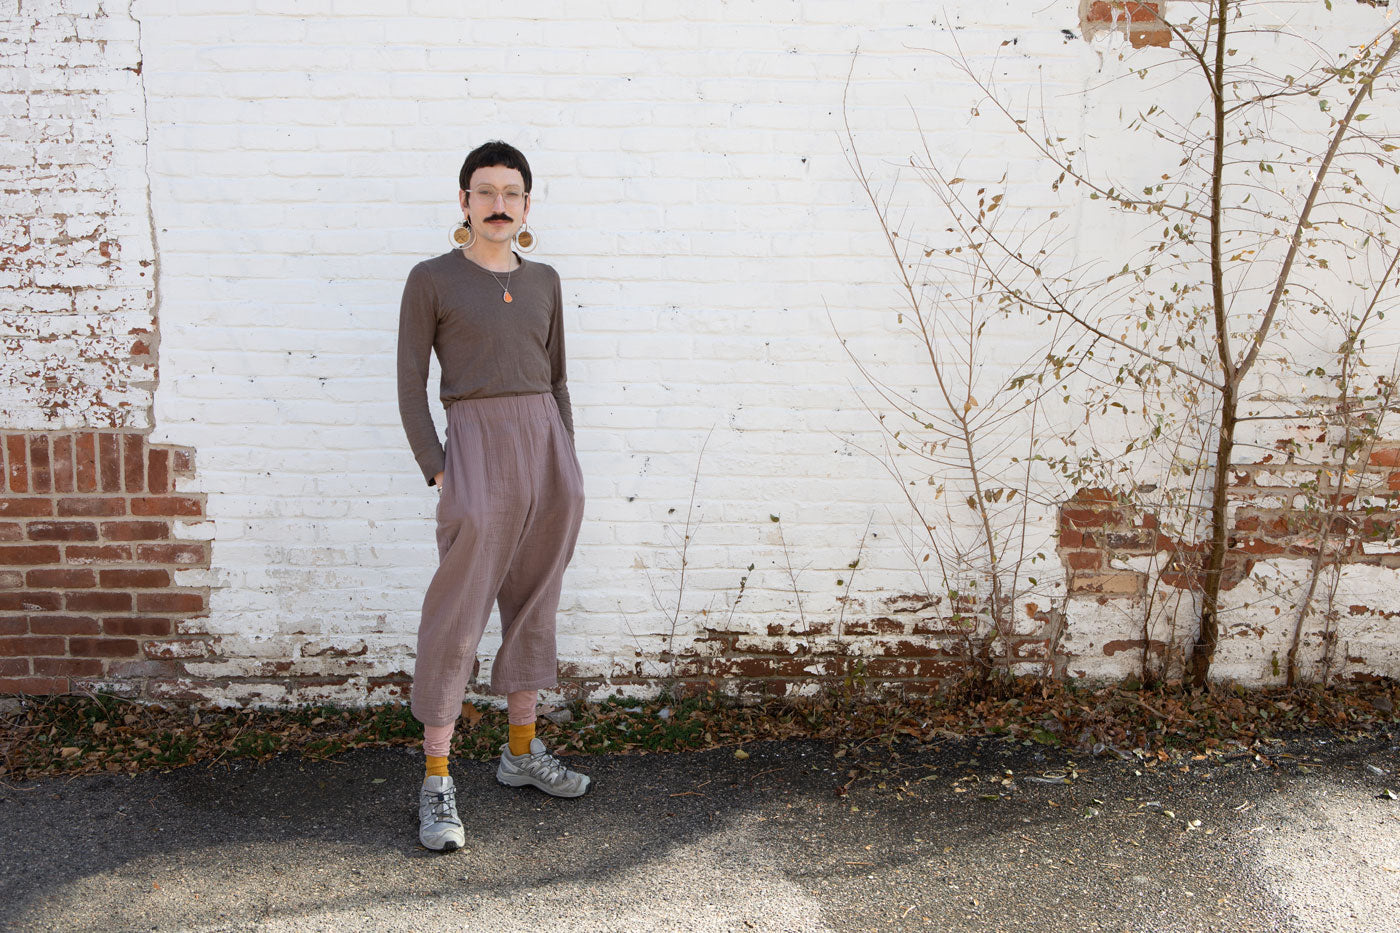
x: 463, y: 236
x: 525, y: 241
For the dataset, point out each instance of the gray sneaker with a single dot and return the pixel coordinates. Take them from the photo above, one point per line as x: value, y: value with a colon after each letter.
x: 439, y: 828
x: 540, y: 769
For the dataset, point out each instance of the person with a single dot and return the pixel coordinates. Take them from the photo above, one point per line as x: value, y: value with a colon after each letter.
x: 510, y: 487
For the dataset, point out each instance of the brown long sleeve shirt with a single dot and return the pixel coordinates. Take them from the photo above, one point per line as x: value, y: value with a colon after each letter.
x: 485, y: 346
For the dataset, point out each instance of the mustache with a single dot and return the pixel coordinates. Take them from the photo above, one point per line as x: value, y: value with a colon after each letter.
x: 506, y: 217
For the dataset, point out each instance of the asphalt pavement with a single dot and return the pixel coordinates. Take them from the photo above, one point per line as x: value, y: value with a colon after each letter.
x: 956, y: 834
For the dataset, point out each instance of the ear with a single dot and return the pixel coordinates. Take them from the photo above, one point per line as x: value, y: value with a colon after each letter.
x: 526, y: 212
x: 462, y: 200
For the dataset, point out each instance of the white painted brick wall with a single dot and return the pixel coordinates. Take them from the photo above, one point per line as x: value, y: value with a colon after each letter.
x: 692, y: 190
x: 76, y: 284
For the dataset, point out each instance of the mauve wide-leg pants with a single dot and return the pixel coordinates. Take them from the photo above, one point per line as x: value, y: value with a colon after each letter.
x: 507, y: 521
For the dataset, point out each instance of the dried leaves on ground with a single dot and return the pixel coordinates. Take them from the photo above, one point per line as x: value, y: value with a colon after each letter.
x: 42, y: 736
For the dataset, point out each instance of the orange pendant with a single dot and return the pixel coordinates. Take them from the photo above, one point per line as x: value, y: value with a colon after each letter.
x: 505, y: 296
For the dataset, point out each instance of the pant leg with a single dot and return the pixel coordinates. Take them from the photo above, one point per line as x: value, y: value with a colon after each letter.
x: 529, y: 595
x: 482, y: 512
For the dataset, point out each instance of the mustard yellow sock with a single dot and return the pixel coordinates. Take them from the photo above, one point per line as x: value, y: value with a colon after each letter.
x: 437, y: 767
x: 520, y: 738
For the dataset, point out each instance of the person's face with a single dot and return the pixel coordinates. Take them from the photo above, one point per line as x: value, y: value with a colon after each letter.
x: 495, y: 203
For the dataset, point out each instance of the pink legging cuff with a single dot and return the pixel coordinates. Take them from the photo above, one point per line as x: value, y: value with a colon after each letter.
x: 520, y: 707
x: 437, y: 740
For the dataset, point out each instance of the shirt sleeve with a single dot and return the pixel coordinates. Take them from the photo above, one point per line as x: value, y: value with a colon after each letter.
x: 417, y: 330
x: 559, y: 380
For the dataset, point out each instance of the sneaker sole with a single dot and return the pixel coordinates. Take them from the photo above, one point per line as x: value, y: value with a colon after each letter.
x: 512, y: 780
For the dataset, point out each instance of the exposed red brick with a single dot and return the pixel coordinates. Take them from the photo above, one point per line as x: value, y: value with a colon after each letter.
x: 1102, y: 11
x: 166, y: 505
x: 62, y: 465
x: 135, y: 531
x: 29, y: 646
x: 68, y: 667
x: 134, y: 462
x: 109, y: 456
x: 39, y: 463
x: 30, y: 601
x: 14, y: 625
x: 192, y: 554
x: 34, y: 686
x: 182, y: 462
x: 18, y: 555
x: 1084, y: 560
x: 169, y: 602
x: 11, y: 579
x: 1069, y: 538
x: 1160, y: 38
x: 26, y: 508
x: 50, y: 624
x: 63, y: 578
x: 62, y: 531
x: 14, y: 667
x: 1153, y: 647
x: 103, y: 647
x: 96, y: 553
x: 85, y: 461
x: 1090, y: 518
x: 17, y: 462
x: 1386, y: 457
x: 135, y: 578
x: 158, y: 472
x: 98, y: 601
x: 11, y: 531
x: 137, y: 626
x: 92, y: 506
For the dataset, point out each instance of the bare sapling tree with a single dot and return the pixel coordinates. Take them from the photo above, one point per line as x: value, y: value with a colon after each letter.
x: 963, y: 457
x: 1265, y: 217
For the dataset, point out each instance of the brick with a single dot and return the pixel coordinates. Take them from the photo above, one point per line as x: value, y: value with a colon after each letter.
x: 62, y: 578
x: 135, y: 578
x: 62, y: 465
x: 191, y: 555
x: 1385, y: 457
x: 85, y: 462
x: 169, y: 602
x: 135, y: 531
x: 34, y: 686
x: 166, y: 505
x: 11, y: 531
x: 137, y: 626
x: 50, y: 624
x: 98, y: 601
x: 1084, y: 560
x: 1141, y: 39
x: 30, y: 601
x: 104, y: 647
x: 158, y: 472
x: 1123, y: 583
x: 180, y: 648
x: 28, y: 554
x: 11, y: 579
x: 39, y: 463
x: 14, y: 667
x: 14, y: 625
x: 62, y: 531
x: 1101, y: 11
x: 26, y: 508
x: 182, y: 462
x: 68, y: 667
x: 134, y: 462
x: 98, y: 553
x: 92, y: 506
x: 17, y: 462
x: 110, y: 462
x: 30, y: 646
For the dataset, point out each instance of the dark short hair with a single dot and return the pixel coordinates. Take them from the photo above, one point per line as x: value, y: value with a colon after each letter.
x: 492, y: 153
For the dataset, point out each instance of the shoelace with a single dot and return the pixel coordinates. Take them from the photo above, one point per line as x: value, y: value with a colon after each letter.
x: 442, y: 806
x: 553, y: 769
